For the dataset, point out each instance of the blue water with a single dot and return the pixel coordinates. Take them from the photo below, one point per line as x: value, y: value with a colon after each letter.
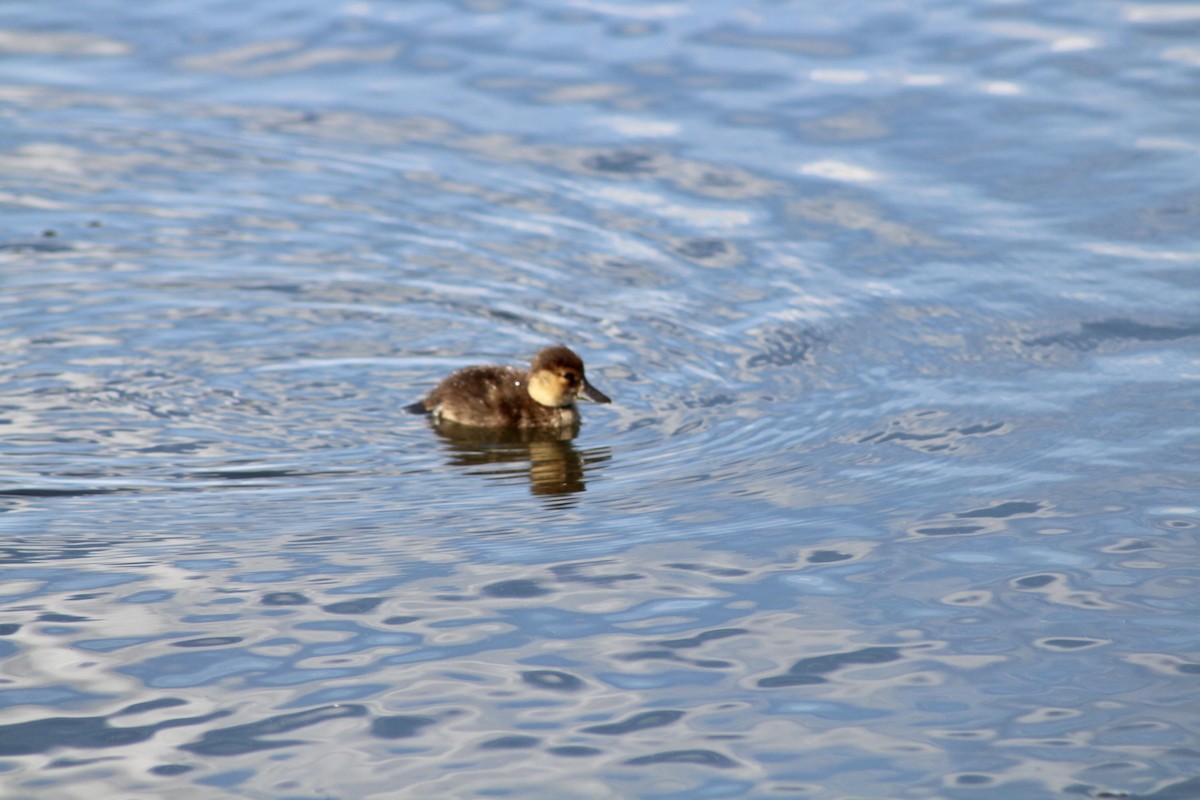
x: 897, y: 303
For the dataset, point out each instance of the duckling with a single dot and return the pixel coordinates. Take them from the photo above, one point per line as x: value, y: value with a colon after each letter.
x: 507, y: 397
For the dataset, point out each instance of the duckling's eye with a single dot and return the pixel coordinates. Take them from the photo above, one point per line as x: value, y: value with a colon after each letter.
x: 570, y: 377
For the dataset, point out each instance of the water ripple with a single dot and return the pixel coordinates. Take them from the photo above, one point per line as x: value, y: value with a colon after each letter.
x: 895, y: 497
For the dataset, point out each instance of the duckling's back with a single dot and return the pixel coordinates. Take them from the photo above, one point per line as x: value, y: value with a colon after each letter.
x: 490, y: 396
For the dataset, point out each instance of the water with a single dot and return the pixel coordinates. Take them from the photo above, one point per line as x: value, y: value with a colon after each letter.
x: 896, y: 303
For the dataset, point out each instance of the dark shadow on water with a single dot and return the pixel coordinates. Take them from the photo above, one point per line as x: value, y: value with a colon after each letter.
x: 51, y: 733
x: 237, y: 740
x: 34, y: 549
x: 813, y: 670
x: 1094, y: 334
x: 553, y: 466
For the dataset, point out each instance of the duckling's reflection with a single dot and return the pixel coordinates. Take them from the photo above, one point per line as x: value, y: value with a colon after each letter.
x: 554, y: 467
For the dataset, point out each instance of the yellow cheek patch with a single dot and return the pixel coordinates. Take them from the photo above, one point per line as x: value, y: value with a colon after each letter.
x: 549, y: 389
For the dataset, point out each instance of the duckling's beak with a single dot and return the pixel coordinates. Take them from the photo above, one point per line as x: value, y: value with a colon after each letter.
x: 589, y: 392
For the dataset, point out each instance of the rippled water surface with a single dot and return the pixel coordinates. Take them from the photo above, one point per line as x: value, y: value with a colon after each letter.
x: 898, y: 304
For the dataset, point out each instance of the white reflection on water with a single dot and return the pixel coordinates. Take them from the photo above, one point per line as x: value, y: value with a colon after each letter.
x: 895, y: 496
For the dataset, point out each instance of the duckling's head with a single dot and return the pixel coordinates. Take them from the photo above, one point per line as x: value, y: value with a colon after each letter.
x: 556, y: 379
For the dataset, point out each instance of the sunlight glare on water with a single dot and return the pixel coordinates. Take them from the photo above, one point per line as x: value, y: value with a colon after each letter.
x: 896, y: 304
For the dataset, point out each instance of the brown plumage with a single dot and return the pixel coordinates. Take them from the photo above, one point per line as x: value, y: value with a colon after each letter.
x: 506, y: 397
